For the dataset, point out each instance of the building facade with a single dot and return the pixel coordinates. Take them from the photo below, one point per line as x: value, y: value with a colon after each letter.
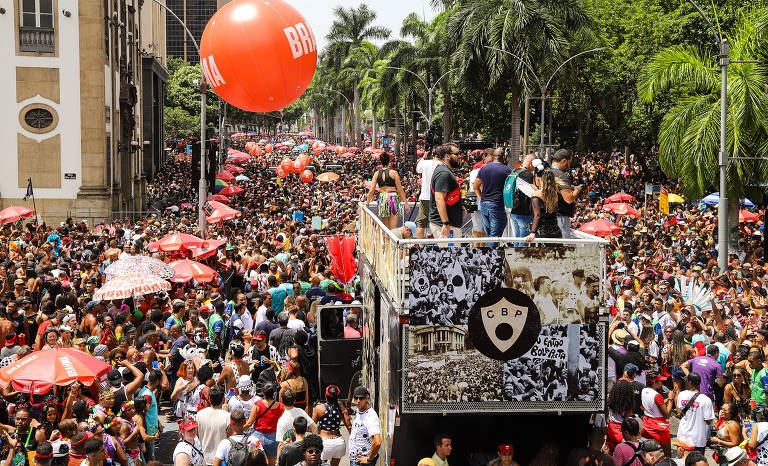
x: 72, y: 98
x: 195, y: 14
x: 436, y: 339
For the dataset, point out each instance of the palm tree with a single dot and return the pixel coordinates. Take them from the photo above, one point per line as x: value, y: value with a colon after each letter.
x: 351, y: 27
x: 359, y: 65
x: 538, y: 31
x: 690, y: 132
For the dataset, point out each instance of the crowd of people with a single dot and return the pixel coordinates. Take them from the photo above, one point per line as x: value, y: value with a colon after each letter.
x: 236, y: 357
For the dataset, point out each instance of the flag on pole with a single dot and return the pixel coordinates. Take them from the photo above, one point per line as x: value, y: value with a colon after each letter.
x: 29, y: 193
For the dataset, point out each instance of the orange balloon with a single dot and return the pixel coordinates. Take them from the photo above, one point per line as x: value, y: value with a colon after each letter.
x: 306, y: 176
x: 304, y: 159
x: 254, y: 150
x: 287, y: 165
x: 340, y: 150
x: 297, y: 168
x: 258, y: 55
x: 317, y: 151
x: 280, y: 172
x: 268, y: 148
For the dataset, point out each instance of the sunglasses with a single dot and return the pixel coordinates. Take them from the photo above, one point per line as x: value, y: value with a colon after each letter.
x: 313, y: 451
x: 359, y: 397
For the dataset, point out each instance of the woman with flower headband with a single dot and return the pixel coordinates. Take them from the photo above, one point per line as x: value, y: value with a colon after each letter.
x: 129, y: 435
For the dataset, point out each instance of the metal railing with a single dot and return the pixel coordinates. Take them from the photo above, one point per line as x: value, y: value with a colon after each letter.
x: 387, y: 254
x: 34, y: 39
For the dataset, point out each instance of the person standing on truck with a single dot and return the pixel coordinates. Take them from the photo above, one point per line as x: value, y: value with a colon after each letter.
x: 443, y: 448
x: 425, y: 168
x: 566, y: 204
x: 365, y: 436
x: 521, y: 214
x: 489, y: 187
x: 446, y: 211
x: 506, y: 456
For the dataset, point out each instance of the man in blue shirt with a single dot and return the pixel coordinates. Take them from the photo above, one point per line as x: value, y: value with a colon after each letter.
x: 489, y: 187
x: 315, y: 292
x: 156, y: 380
x: 278, y: 294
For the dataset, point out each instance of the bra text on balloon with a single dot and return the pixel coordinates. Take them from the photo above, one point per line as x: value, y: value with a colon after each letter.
x: 211, y: 72
x: 301, y: 39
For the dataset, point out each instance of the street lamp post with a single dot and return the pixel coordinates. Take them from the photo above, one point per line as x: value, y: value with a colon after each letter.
x: 722, y: 202
x: 544, y: 87
x: 430, y: 90
x: 343, y: 116
x: 202, y: 187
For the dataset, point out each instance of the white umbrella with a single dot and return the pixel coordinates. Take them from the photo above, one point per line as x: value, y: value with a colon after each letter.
x: 242, y: 178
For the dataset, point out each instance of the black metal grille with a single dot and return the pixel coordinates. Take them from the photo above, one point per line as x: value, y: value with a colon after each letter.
x: 38, y: 118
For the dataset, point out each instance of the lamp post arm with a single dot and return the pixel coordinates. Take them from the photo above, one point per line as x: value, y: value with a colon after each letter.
x: 521, y: 60
x: 404, y: 69
x: 566, y: 61
x: 701, y: 12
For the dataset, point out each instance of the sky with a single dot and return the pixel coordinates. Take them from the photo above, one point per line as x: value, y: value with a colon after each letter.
x: 319, y: 14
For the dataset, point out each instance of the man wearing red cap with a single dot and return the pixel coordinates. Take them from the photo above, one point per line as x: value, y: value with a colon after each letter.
x: 506, y: 456
x: 656, y: 411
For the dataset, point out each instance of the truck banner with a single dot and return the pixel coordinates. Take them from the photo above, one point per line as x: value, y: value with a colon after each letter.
x: 510, y: 330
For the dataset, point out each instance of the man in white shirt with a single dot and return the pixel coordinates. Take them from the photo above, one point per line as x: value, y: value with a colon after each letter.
x: 285, y: 423
x: 212, y: 423
x: 237, y: 421
x: 365, y: 436
x: 694, y: 424
x: 293, y: 320
x: 425, y: 168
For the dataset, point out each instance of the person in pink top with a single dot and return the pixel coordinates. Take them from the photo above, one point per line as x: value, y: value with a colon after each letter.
x: 628, y: 452
x: 350, y: 330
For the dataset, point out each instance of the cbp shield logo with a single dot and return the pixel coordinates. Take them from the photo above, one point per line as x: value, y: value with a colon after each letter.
x: 504, y: 324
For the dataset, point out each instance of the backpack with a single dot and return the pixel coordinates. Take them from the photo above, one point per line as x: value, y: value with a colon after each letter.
x: 238, y: 452
x: 637, y: 454
x: 510, y: 188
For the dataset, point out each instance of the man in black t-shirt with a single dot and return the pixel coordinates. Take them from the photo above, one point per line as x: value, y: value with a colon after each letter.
x: 566, y: 201
x: 446, y: 212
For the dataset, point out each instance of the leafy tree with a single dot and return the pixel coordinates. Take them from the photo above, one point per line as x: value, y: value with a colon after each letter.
x: 689, y: 137
x: 351, y: 27
x: 179, y: 123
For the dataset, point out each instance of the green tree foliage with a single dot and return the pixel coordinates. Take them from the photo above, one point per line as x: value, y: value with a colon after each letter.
x: 689, y: 136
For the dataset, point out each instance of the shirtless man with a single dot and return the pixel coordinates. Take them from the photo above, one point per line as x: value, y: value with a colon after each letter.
x: 232, y: 371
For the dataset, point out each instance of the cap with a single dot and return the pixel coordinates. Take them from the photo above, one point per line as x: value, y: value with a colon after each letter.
x: 735, y: 454
x: 78, y: 341
x: 188, y: 424
x: 18, y: 281
x: 631, y: 369
x: 100, y: 350
x: 259, y: 337
x: 426, y: 462
x: 115, y: 377
x: 361, y: 391
x: 244, y: 382
x: 653, y: 376
x: 685, y: 443
x: 411, y: 226
x: 506, y: 448
x: 650, y: 445
x: 92, y: 340
x: 10, y: 339
x: 91, y: 304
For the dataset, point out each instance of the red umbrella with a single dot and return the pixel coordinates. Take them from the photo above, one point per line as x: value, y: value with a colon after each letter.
x: 221, y: 212
x: 187, y: 270
x: 239, y: 159
x: 39, y: 371
x: 600, y: 228
x: 226, y: 176
x: 354, y: 149
x: 13, y: 213
x: 208, y: 248
x: 176, y: 242
x: 622, y: 209
x: 620, y: 197
x: 219, y: 198
x: 234, y: 169
x: 746, y: 216
x: 231, y: 189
